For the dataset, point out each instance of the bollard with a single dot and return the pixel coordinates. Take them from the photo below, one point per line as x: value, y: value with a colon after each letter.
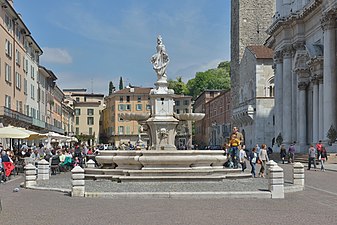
x: 30, y: 175
x: 298, y: 174
x: 43, y: 170
x: 91, y: 163
x: 276, y: 182
x: 77, y: 176
x: 269, y: 164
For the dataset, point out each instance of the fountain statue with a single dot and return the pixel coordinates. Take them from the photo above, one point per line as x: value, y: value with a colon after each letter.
x: 162, y: 159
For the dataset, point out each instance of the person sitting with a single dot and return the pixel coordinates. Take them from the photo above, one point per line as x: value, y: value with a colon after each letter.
x: 55, y: 164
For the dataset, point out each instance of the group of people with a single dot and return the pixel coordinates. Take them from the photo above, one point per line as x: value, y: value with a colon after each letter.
x: 238, y: 154
x: 318, y: 153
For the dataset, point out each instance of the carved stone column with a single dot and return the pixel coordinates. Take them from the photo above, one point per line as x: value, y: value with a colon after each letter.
x: 287, y: 94
x: 278, y: 110
x: 328, y: 22
x: 321, y: 135
x: 302, y: 115
x: 315, y: 106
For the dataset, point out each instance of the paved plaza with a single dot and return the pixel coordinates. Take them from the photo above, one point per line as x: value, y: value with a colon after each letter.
x: 316, y: 204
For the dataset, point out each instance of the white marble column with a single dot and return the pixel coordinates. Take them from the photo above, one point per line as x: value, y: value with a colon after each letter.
x: 321, y: 135
x: 278, y: 109
x: 329, y: 72
x: 302, y: 115
x: 287, y: 95
x: 315, y: 110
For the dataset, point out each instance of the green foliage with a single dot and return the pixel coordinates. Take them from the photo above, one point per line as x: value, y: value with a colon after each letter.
x: 279, y: 139
x: 121, y: 85
x: 84, y: 137
x: 178, y: 86
x: 212, y: 79
x: 111, y: 88
x: 332, y: 134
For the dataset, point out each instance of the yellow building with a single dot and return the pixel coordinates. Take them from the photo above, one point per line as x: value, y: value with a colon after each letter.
x: 134, y: 100
x: 88, y: 109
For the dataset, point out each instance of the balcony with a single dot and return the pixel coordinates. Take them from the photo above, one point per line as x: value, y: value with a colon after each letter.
x: 54, y: 129
x: 14, y: 116
x: 39, y: 123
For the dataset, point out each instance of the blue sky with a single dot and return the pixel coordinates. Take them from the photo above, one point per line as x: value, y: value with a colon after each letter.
x: 88, y: 43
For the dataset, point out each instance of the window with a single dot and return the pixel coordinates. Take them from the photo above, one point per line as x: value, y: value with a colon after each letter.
x: 17, y: 57
x: 120, y: 119
x: 77, y: 120
x: 18, y: 80
x: 186, y: 102
x: 77, y: 99
x: 90, y: 130
x: 121, y: 99
x: 85, y: 98
x: 120, y: 129
x: 25, y: 86
x: 90, y: 120
x: 186, y: 110
x: 139, y: 98
x: 77, y: 131
x: 127, y: 130
x: 90, y: 112
x: 148, y: 107
x: 139, y: 107
x: 177, y: 103
x: 8, y: 71
x: 8, y: 22
x: 32, y: 72
x: 77, y: 112
x: 178, y: 111
x: 8, y: 48
x: 32, y: 91
x: 42, y: 96
x: 121, y: 107
x: 128, y: 107
x: 7, y: 101
x: 127, y: 98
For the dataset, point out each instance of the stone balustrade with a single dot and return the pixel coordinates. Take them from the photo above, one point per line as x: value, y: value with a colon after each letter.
x: 78, y: 187
x: 269, y: 164
x: 298, y: 174
x: 30, y: 175
x: 276, y: 182
x: 91, y: 164
x: 43, y: 170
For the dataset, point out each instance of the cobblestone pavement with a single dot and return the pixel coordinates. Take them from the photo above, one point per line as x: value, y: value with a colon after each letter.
x: 316, y: 205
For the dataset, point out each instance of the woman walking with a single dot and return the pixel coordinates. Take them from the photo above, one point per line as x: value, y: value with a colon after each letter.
x: 263, y: 156
x: 252, y: 161
x: 323, y: 157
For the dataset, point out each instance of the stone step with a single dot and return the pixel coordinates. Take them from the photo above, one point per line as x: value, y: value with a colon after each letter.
x: 177, y: 172
x: 103, y: 171
x: 171, y: 178
x: 101, y: 177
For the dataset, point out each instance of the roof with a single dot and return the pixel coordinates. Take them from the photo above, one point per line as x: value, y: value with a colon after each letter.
x: 261, y: 52
x: 136, y: 90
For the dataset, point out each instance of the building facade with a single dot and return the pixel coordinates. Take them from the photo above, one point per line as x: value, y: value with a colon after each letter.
x: 303, y: 37
x: 254, y: 113
x: 183, y: 104
x: 88, y: 109
x: 249, y: 23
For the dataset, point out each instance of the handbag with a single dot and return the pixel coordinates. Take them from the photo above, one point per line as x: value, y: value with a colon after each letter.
x: 259, y: 161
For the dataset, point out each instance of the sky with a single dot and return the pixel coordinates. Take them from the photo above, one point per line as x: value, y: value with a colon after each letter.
x: 89, y: 43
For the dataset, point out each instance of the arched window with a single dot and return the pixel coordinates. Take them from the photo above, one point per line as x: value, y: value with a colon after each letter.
x: 270, y: 87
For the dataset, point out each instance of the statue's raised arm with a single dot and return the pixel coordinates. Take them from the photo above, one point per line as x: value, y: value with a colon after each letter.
x: 160, y: 59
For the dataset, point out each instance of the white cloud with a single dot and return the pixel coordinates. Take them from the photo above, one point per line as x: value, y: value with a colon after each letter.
x: 56, y: 55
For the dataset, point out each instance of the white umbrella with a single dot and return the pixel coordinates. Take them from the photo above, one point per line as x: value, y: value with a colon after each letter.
x: 13, y: 132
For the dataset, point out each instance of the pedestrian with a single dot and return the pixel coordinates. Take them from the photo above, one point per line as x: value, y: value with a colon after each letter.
x: 312, y: 156
x: 323, y: 157
x: 234, y: 143
x: 291, y: 153
x: 283, y: 153
x: 263, y: 156
x: 242, y: 158
x: 319, y: 147
x: 252, y: 161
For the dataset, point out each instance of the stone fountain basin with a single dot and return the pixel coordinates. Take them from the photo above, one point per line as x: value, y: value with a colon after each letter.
x: 135, y: 116
x: 190, y: 116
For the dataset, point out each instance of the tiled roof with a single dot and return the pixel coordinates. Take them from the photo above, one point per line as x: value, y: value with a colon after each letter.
x: 136, y: 90
x: 261, y: 52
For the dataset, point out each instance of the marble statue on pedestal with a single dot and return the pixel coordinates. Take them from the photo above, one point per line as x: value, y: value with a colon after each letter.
x: 160, y: 59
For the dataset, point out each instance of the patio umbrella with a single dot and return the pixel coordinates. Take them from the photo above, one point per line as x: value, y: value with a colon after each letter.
x: 13, y: 132
x: 34, y: 135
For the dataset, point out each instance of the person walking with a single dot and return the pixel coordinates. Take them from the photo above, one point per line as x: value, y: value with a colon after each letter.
x: 283, y: 153
x: 312, y: 156
x: 319, y: 147
x: 242, y: 158
x: 234, y: 145
x: 252, y: 161
x: 263, y: 156
x: 323, y: 157
x: 291, y: 152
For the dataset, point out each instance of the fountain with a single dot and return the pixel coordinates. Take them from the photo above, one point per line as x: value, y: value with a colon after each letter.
x: 162, y: 161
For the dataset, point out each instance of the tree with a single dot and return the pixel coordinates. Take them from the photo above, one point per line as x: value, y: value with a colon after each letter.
x: 121, y: 85
x: 111, y: 88
x: 212, y: 79
x: 332, y: 134
x: 178, y: 86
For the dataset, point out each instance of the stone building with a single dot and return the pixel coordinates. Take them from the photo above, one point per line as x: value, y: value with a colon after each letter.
x: 254, y: 113
x: 183, y: 104
x: 249, y: 22
x: 303, y: 37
